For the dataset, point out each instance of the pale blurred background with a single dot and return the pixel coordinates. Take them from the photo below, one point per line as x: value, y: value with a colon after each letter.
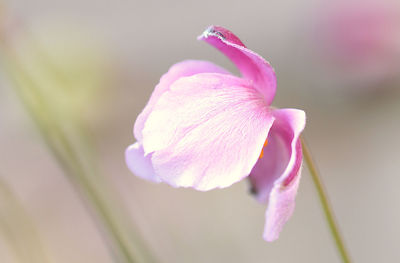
x: 337, y: 60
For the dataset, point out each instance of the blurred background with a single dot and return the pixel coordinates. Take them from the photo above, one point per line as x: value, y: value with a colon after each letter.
x: 337, y: 60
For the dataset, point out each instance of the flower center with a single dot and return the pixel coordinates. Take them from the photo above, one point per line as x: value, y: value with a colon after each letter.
x: 262, y: 150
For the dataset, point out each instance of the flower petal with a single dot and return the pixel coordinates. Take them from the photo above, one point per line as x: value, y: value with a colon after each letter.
x: 275, y: 177
x: 207, y: 131
x: 182, y: 69
x: 280, y: 208
x: 139, y: 164
x: 251, y: 65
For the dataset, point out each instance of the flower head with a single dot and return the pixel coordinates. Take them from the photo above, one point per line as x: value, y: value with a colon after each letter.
x: 206, y: 128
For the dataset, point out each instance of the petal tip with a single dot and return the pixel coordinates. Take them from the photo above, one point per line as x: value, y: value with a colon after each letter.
x: 139, y: 164
x: 270, y: 237
x: 250, y: 64
x: 222, y: 34
x: 212, y: 31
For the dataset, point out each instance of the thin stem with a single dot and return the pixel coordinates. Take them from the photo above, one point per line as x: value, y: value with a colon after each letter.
x: 65, y: 155
x: 323, y: 198
x: 19, y: 227
x: 69, y: 159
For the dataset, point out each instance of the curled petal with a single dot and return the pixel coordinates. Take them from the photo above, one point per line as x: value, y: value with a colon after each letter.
x: 139, y: 164
x: 275, y: 177
x: 207, y: 131
x: 251, y: 65
x: 182, y: 69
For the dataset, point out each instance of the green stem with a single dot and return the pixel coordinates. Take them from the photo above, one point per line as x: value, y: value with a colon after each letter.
x: 323, y: 198
x: 70, y: 160
x: 19, y: 228
x: 71, y: 165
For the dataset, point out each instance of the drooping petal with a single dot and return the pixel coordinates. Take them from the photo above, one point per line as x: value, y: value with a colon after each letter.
x: 182, y: 69
x: 280, y: 208
x: 251, y: 65
x: 275, y: 177
x: 207, y: 131
x: 139, y: 164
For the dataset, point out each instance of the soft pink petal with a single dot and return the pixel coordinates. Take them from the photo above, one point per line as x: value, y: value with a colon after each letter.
x: 275, y: 177
x: 139, y: 164
x: 280, y: 208
x: 251, y: 65
x: 182, y: 69
x: 207, y: 131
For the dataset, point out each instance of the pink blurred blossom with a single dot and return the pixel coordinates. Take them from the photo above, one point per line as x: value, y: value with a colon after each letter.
x: 361, y: 38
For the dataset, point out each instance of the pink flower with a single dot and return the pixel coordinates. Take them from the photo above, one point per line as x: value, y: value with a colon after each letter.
x: 206, y: 128
x: 361, y: 39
